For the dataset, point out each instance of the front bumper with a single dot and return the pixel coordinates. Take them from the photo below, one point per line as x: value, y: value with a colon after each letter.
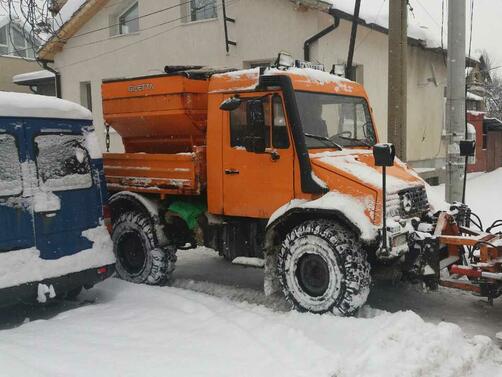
x: 28, y: 292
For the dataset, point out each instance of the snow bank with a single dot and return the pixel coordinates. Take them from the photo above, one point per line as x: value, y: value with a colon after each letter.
x: 137, y: 330
x: 37, y: 106
x: 482, y: 195
x: 24, y: 266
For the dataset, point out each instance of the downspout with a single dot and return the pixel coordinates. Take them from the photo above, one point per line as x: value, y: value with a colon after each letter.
x: 322, y: 33
x: 57, y: 75
x: 349, y: 73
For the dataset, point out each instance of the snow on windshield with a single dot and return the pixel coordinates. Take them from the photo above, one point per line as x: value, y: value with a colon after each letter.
x: 63, y: 162
x: 10, y: 167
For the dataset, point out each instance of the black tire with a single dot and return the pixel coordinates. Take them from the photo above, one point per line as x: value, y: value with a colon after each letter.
x: 139, y: 259
x: 323, y: 268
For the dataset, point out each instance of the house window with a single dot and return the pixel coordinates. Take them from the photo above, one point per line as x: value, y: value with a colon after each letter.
x: 13, y: 42
x: 202, y: 9
x: 129, y: 21
x: 86, y: 95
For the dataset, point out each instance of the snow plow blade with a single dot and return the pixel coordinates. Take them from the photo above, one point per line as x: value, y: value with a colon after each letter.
x: 479, y: 251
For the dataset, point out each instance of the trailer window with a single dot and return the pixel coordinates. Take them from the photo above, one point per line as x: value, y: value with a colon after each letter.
x: 10, y: 167
x: 63, y: 162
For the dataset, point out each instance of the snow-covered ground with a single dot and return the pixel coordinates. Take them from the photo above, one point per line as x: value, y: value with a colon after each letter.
x: 215, y: 321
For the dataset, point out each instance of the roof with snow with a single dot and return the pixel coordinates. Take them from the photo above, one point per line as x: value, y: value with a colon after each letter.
x: 36, y: 76
x: 35, y: 106
x: 373, y: 14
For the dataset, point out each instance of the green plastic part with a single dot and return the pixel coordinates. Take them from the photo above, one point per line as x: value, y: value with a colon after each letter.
x: 188, y: 211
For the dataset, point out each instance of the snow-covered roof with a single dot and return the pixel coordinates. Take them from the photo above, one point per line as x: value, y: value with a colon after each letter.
x: 32, y: 76
x: 376, y: 12
x: 67, y: 12
x: 36, y: 106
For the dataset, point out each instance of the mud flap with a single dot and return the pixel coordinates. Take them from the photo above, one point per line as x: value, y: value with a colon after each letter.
x: 271, y: 283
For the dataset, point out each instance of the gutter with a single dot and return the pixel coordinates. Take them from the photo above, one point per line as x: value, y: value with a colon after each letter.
x: 322, y: 33
x: 57, y: 77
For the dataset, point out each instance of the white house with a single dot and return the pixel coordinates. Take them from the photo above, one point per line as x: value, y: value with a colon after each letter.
x: 102, y: 39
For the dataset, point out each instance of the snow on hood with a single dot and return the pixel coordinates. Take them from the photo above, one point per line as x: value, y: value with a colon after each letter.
x: 359, y: 165
x: 36, y: 106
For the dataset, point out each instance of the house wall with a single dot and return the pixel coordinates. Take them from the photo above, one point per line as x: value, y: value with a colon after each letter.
x: 11, y: 66
x: 262, y: 29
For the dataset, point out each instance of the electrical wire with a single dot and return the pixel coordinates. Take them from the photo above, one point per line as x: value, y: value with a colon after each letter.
x: 230, y: 3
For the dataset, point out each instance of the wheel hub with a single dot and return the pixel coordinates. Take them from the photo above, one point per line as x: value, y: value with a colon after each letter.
x: 313, y: 274
x: 131, y: 253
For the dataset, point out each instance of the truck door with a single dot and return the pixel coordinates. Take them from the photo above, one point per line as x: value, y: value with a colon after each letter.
x: 65, y: 194
x: 16, y: 222
x: 256, y: 184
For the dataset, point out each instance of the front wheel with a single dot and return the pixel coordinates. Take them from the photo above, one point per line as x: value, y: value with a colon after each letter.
x: 323, y: 268
x: 139, y: 259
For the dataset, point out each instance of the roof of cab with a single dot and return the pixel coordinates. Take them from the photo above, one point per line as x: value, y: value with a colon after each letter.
x: 303, y: 79
x: 36, y: 106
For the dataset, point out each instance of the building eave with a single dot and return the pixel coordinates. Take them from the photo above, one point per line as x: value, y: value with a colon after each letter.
x: 79, y: 18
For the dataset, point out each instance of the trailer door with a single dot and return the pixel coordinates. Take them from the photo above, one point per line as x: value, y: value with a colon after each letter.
x: 256, y: 184
x: 16, y: 221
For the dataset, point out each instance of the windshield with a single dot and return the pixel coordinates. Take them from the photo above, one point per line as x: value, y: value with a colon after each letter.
x: 331, y: 120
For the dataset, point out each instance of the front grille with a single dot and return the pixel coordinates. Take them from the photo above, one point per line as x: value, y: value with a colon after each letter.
x: 407, y: 203
x: 413, y: 202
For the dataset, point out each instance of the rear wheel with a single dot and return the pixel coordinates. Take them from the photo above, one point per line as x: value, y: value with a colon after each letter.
x: 139, y: 259
x: 323, y: 268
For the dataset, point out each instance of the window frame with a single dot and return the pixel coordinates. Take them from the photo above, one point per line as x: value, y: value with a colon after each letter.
x: 16, y: 143
x: 121, y: 17
x: 191, y: 17
x: 41, y: 182
x: 272, y: 136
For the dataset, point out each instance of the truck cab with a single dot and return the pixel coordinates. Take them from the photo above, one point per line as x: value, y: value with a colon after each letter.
x: 53, y: 240
x: 273, y: 163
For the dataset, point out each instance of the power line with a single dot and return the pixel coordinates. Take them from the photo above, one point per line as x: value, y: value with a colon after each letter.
x: 135, y: 42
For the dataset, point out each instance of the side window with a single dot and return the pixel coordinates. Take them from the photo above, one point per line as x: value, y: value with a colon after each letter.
x: 280, y: 138
x: 10, y: 167
x: 239, y: 129
x: 202, y: 10
x: 63, y: 162
x: 129, y: 20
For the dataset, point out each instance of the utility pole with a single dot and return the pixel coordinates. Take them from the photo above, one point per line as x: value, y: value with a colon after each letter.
x: 455, y: 103
x: 397, y: 91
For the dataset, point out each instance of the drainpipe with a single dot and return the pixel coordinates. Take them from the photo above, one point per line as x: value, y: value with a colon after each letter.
x: 322, y: 33
x: 349, y: 69
x: 45, y: 63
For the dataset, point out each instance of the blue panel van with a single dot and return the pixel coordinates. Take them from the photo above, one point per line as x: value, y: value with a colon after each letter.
x: 53, y: 236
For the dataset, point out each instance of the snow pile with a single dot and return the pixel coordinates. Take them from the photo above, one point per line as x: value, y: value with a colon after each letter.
x: 137, y: 330
x: 482, y: 195
x: 23, y: 266
x: 37, y: 106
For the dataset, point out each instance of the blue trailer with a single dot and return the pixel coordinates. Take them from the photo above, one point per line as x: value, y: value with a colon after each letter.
x: 53, y: 200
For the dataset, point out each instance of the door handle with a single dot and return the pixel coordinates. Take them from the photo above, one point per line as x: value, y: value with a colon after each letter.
x: 231, y: 171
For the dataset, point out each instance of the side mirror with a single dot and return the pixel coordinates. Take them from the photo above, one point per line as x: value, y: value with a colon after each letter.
x: 467, y: 148
x: 256, y: 141
x: 230, y: 104
x: 384, y: 154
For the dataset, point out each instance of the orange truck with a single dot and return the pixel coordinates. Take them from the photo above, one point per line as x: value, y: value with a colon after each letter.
x: 272, y: 166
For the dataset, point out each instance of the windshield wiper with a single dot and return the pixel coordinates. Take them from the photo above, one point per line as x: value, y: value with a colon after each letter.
x: 325, y: 139
x: 358, y: 141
